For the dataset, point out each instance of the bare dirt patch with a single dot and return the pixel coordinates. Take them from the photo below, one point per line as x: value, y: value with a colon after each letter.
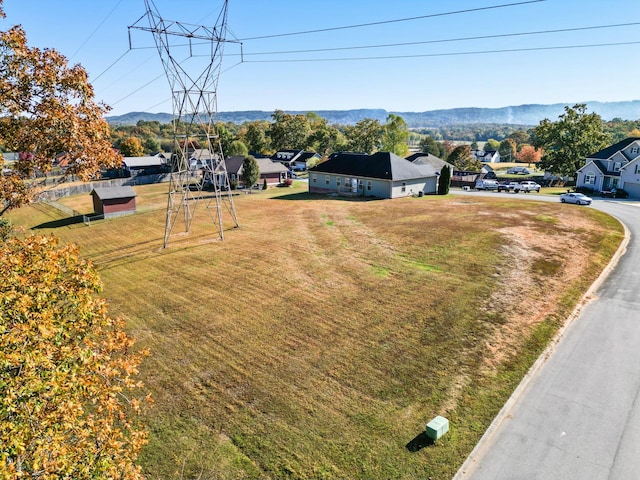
x: 526, y: 295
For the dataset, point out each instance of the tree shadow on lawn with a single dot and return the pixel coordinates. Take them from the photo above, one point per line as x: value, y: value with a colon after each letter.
x: 63, y: 222
x: 419, y: 442
x: 324, y: 196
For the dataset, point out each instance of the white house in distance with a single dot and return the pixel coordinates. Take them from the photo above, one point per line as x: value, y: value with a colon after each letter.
x: 490, y: 156
x: 615, y: 167
x: 382, y: 175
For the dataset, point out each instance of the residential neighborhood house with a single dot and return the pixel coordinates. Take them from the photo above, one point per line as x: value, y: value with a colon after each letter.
x: 615, y: 167
x: 296, y: 159
x: 274, y: 172
x: 145, y: 165
x: 383, y: 175
x: 434, y: 162
x: 490, y: 156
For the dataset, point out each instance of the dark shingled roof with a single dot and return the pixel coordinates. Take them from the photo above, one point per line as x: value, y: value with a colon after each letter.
x: 609, y: 152
x: 110, y: 193
x: 382, y: 165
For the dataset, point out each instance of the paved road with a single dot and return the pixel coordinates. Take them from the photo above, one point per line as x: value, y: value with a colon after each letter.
x: 577, y: 414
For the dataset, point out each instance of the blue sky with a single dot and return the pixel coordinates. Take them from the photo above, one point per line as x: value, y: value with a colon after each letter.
x: 425, y: 73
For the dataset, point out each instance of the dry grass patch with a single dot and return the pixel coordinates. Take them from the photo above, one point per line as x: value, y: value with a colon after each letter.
x: 319, y: 338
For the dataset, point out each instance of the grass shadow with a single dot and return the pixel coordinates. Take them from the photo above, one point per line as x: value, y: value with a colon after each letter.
x: 421, y: 441
x: 323, y: 196
x: 63, y: 222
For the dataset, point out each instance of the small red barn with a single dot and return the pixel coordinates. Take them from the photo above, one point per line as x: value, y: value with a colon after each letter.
x: 114, y: 201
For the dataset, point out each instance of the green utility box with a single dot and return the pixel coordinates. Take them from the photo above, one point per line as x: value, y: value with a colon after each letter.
x: 437, y: 427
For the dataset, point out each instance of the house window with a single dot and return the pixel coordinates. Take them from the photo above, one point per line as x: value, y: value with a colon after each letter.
x: 404, y: 187
x: 590, y: 179
x: 338, y: 181
x: 368, y: 184
x: 327, y: 179
x: 313, y: 178
x: 616, y: 166
x: 634, y: 150
x: 359, y: 184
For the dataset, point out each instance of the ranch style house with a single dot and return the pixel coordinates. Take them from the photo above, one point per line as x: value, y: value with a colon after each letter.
x: 382, y: 175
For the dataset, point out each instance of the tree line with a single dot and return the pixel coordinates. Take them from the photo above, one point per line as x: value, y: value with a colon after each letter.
x: 286, y: 131
x: 311, y: 132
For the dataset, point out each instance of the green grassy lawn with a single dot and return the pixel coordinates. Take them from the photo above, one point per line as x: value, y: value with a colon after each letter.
x: 318, y: 339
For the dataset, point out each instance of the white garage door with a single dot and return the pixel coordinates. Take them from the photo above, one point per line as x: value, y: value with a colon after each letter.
x: 633, y: 189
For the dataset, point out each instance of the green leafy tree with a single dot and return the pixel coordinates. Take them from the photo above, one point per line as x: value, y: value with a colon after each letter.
x: 288, y: 131
x: 429, y: 144
x: 151, y: 145
x: 69, y: 397
x: 324, y: 138
x: 364, y: 137
x: 255, y: 137
x: 236, y: 148
x: 250, y: 171
x: 395, y: 136
x: 444, y: 181
x: 491, y: 145
x: 520, y: 138
x: 507, y: 150
x: 47, y: 108
x: 132, y: 147
x: 225, y: 135
x: 463, y: 160
x: 568, y: 141
x: 6, y: 229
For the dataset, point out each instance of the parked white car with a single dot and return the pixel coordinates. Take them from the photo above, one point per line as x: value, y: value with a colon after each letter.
x: 484, y: 184
x: 529, y: 186
x: 577, y: 198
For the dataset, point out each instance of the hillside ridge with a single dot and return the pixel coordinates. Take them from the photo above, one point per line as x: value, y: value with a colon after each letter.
x: 530, y: 114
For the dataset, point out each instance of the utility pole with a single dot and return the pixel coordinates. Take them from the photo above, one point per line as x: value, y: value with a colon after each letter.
x: 197, y: 162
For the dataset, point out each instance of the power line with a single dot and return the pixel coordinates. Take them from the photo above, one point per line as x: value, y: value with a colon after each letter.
x: 450, y: 54
x: 446, y: 40
x: 96, y: 29
x: 384, y: 22
x: 138, y: 89
x: 112, y: 65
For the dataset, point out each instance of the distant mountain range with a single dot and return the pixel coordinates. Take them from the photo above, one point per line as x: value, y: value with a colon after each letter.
x: 516, y: 115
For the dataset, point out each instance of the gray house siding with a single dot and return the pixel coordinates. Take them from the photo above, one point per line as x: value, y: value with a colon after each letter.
x: 331, y: 183
x: 383, y: 175
x: 590, y: 170
x: 370, y: 187
x: 407, y: 188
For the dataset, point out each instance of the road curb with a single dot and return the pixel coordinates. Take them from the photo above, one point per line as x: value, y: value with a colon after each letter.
x: 470, y: 463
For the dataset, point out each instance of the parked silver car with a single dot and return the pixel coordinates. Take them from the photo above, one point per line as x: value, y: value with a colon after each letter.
x: 519, y: 171
x: 577, y: 198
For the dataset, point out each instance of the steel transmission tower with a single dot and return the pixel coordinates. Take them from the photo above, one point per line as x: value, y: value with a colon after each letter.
x: 198, y: 170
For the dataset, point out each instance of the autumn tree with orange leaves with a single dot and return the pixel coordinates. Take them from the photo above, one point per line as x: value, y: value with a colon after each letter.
x: 69, y: 394
x: 47, y: 108
x: 529, y: 154
x: 69, y: 398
